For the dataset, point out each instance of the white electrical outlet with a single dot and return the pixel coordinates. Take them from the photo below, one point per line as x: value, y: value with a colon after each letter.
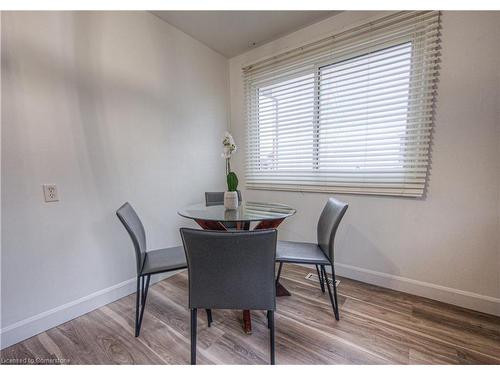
x: 50, y: 193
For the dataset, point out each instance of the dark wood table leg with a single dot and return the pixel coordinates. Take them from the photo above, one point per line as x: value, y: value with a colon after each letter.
x: 269, y: 224
x: 247, y: 322
x: 211, y: 225
x: 242, y: 225
x: 281, y: 291
x: 247, y: 318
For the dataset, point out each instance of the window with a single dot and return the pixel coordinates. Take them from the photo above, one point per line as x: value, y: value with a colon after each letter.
x: 350, y: 116
x: 286, y: 115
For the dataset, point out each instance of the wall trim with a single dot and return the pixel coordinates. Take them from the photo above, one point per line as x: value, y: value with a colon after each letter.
x: 462, y: 298
x: 26, y: 328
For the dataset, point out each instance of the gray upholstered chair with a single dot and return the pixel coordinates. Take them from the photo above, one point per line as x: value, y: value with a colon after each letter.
x: 231, y: 270
x: 321, y: 254
x: 148, y: 262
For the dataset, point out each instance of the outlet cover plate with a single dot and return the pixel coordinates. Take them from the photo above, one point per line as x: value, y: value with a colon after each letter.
x: 50, y: 193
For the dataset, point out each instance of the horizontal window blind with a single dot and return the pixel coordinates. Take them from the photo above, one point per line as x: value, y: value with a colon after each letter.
x: 351, y: 113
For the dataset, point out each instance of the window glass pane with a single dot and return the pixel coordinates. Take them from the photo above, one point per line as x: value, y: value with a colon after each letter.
x: 285, y: 115
x: 360, y: 100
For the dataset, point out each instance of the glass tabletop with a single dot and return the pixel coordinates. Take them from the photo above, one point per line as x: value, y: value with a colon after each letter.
x: 246, y: 211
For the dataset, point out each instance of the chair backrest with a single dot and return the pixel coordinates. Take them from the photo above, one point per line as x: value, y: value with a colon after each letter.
x: 135, y: 229
x: 328, y: 223
x: 214, y: 198
x: 231, y: 270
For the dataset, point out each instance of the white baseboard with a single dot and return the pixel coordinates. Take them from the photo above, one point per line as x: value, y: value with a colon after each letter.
x: 469, y: 300
x: 34, y: 325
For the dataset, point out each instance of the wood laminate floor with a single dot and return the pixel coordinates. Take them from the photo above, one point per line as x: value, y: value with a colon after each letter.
x: 377, y: 326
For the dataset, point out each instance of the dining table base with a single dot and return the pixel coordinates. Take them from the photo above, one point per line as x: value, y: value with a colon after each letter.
x: 281, y: 291
x: 247, y: 322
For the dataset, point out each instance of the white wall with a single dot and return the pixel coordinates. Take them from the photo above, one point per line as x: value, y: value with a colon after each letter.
x: 110, y: 106
x: 445, y: 246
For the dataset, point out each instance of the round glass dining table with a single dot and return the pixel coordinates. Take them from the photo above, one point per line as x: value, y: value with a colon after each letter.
x: 216, y: 217
x: 267, y: 215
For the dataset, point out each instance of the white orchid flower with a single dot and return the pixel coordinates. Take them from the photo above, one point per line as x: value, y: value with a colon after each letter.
x: 229, y: 145
x: 229, y: 149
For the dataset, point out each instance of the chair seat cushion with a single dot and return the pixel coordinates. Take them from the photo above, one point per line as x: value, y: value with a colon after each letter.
x: 163, y: 260
x: 300, y: 252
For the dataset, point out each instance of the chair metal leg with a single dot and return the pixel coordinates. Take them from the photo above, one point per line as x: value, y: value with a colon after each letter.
x: 193, y: 335
x: 334, y: 303
x: 268, y: 320
x: 209, y: 317
x: 335, y: 293
x: 270, y: 314
x: 142, y: 288
x: 321, y: 280
x: 137, y: 301
x: 279, y: 273
x: 145, y: 289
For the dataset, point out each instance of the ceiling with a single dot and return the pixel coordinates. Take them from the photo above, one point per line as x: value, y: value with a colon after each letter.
x: 234, y: 32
